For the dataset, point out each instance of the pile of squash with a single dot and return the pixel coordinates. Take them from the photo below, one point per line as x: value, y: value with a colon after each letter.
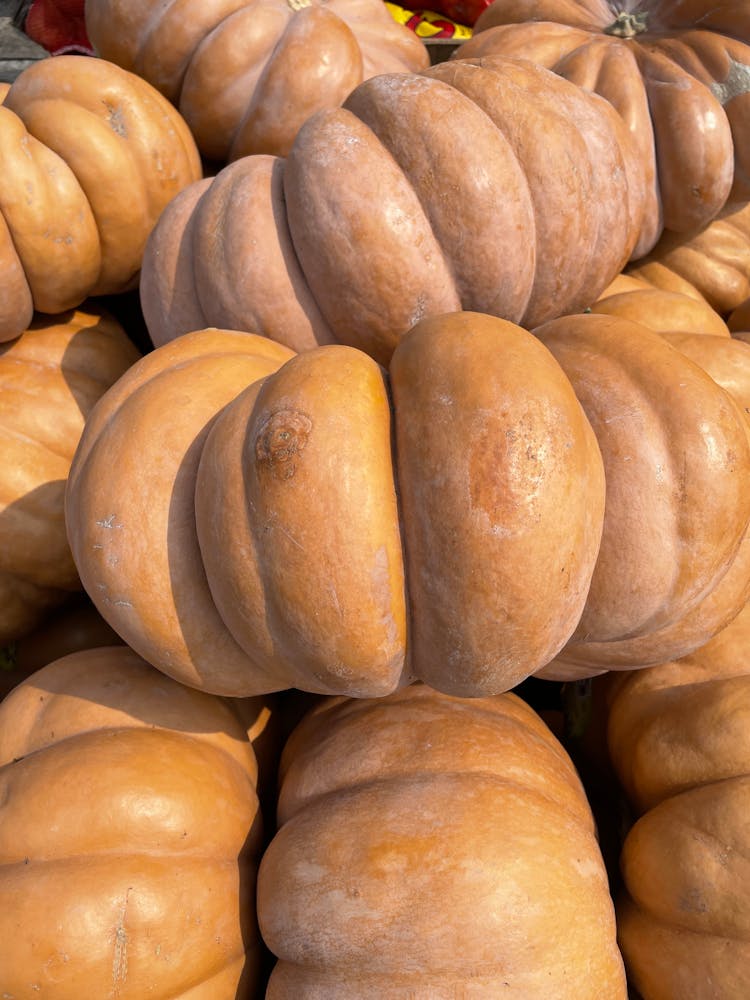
x: 361, y: 420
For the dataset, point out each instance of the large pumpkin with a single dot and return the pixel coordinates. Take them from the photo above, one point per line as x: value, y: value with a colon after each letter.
x: 245, y: 74
x: 678, y: 738
x: 676, y: 71
x: 129, y: 837
x: 248, y: 529
x: 425, y: 194
x: 89, y: 157
x: 669, y: 412
x: 715, y: 260
x: 50, y: 379
x: 438, y: 847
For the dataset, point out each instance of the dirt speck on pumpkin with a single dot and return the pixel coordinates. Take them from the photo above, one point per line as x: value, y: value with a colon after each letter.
x: 116, y: 119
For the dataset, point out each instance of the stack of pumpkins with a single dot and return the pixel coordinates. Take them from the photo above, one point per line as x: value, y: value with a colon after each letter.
x: 440, y: 387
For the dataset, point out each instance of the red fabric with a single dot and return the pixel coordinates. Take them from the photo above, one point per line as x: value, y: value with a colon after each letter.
x: 58, y: 26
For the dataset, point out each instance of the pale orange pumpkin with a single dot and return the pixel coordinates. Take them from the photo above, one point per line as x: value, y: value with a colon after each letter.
x: 264, y: 542
x: 438, y: 847
x: 246, y: 74
x: 129, y: 836
x: 50, y: 379
x: 89, y: 156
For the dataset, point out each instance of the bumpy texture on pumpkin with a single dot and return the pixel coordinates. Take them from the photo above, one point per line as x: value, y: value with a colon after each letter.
x: 424, y: 194
x: 245, y: 74
x: 677, y: 71
x: 50, y: 379
x: 678, y: 738
x: 435, y: 847
x: 129, y: 837
x: 241, y: 516
x: 89, y: 157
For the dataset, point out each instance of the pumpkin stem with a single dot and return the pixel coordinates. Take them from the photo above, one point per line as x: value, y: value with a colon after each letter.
x: 628, y: 25
x: 299, y: 4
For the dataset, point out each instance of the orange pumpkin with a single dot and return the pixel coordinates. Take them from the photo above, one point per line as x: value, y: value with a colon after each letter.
x: 50, y: 379
x: 675, y: 70
x: 129, y: 836
x: 660, y: 309
x: 434, y: 846
x: 673, y: 568
x: 678, y: 738
x: 89, y: 156
x: 715, y: 260
x: 245, y: 74
x: 352, y: 238
x: 264, y: 543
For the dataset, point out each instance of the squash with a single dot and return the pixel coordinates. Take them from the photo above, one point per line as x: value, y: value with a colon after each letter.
x: 352, y: 237
x: 678, y: 739
x: 50, y: 379
x: 673, y: 569
x: 677, y: 72
x: 432, y: 846
x: 715, y: 260
x: 662, y: 310
x: 307, y: 521
x: 245, y: 74
x: 89, y: 156
x: 129, y: 836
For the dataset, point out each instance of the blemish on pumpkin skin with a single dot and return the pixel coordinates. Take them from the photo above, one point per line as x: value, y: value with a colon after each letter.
x: 120, y: 958
x: 280, y: 441
x: 116, y: 119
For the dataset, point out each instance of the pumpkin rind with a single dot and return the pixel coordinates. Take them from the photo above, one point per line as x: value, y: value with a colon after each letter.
x: 430, y: 845
x: 116, y: 874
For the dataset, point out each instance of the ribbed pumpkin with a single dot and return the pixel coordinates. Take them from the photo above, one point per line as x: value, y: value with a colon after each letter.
x: 678, y: 739
x: 674, y: 563
x: 353, y: 237
x: 329, y: 527
x: 129, y: 837
x: 715, y: 260
x: 245, y: 74
x: 437, y: 847
x: 89, y: 157
x: 50, y: 378
x: 660, y: 309
x: 677, y: 71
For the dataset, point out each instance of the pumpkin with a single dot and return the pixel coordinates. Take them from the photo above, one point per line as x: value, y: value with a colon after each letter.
x: 130, y: 836
x: 676, y: 71
x: 673, y: 568
x: 678, y: 739
x: 661, y: 310
x: 73, y: 626
x: 89, y: 156
x: 245, y: 74
x: 50, y: 378
x: 434, y: 846
x: 715, y: 260
x: 352, y: 237
x: 264, y: 543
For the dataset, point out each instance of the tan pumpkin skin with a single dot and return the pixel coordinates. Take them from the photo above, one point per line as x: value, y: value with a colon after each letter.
x: 264, y: 548
x: 662, y: 310
x: 432, y: 846
x: 246, y: 74
x: 142, y: 564
x: 679, y: 743
x: 715, y: 260
x: 672, y: 441
x: 89, y: 156
x: 50, y: 379
x: 119, y: 877
x: 683, y: 93
x: 391, y: 174
x: 501, y: 487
